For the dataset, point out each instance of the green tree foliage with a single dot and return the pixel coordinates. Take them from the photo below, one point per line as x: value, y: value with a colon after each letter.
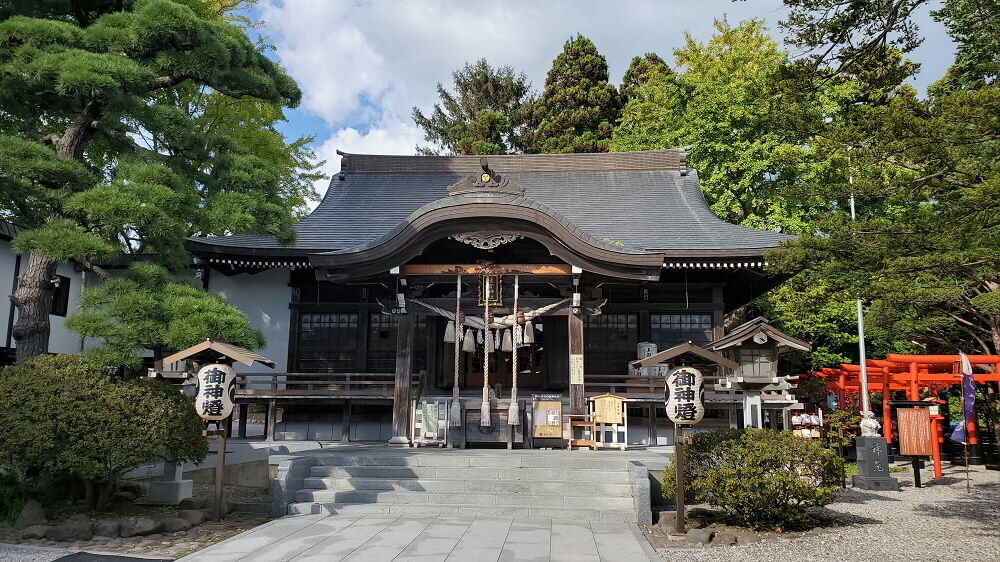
x: 147, y: 309
x: 62, y: 416
x: 748, y: 135
x: 639, y: 72
x: 766, y: 479
x: 579, y: 108
x: 489, y: 112
x: 840, y: 426
x: 924, y: 250
x: 130, y: 125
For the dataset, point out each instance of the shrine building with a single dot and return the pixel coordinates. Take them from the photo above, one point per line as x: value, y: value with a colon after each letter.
x: 557, y: 268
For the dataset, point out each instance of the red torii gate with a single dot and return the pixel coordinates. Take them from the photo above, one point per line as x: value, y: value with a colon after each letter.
x: 909, y: 373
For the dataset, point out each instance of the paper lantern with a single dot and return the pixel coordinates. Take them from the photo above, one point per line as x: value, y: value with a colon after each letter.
x: 216, y: 392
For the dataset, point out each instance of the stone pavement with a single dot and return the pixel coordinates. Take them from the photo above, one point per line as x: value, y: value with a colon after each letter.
x: 384, y: 538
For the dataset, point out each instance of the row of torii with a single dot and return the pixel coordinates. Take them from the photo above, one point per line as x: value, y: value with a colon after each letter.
x: 912, y: 374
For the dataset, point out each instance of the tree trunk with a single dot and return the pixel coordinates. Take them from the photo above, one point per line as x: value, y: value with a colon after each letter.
x: 33, y: 299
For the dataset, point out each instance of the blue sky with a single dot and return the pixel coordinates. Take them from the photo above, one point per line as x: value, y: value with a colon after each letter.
x: 363, y: 64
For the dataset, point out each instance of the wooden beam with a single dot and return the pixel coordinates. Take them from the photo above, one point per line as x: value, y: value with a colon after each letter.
x: 577, y: 398
x: 404, y: 371
x: 476, y: 269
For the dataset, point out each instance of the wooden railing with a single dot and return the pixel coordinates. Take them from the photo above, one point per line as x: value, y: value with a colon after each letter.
x: 629, y: 386
x: 316, y: 385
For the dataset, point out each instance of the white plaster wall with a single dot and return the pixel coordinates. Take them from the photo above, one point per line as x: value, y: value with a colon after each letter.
x: 7, y: 261
x: 264, y: 297
x: 62, y: 339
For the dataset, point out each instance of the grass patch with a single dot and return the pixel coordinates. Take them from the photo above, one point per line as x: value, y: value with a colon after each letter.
x: 851, y: 468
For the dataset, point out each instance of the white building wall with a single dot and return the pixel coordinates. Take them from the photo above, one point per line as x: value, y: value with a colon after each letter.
x: 61, y: 338
x: 7, y: 261
x: 264, y: 298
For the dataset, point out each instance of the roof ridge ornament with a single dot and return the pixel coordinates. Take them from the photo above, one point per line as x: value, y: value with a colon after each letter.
x: 488, y: 181
x: 486, y: 240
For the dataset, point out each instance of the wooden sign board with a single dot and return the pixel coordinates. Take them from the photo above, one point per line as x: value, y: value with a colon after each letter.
x: 608, y: 409
x: 575, y: 368
x: 546, y: 416
x: 915, y: 437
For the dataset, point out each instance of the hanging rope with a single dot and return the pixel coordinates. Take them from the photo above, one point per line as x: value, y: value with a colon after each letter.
x: 484, y: 410
x: 514, y: 412
x: 502, y: 322
x: 456, y: 404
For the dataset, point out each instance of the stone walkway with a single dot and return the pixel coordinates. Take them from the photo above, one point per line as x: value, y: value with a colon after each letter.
x: 384, y: 538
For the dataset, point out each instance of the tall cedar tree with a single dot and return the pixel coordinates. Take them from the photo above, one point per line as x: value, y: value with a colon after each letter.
x: 487, y: 113
x: 579, y: 108
x: 639, y: 72
x: 923, y: 250
x: 102, y: 154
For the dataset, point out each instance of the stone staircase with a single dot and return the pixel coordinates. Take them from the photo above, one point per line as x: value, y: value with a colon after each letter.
x: 522, y: 484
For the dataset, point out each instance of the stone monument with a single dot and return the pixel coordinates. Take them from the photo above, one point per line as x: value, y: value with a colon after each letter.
x: 873, y: 457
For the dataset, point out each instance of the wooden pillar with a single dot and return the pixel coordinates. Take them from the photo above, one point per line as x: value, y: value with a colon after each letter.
x: 244, y: 410
x: 271, y: 420
x: 345, y: 424
x: 652, y: 424
x: 577, y: 401
x: 404, y: 371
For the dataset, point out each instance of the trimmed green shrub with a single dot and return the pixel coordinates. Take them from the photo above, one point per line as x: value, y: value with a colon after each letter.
x: 702, y: 455
x: 841, y: 421
x: 766, y: 479
x: 63, y: 416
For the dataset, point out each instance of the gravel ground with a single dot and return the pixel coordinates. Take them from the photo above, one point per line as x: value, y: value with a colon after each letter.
x: 938, y: 522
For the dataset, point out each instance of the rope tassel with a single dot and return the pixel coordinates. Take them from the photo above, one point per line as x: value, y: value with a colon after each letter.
x: 469, y: 341
x: 484, y: 410
x: 455, y: 415
x: 514, y: 412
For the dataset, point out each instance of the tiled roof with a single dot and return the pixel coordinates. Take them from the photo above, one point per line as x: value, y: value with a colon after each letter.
x: 634, y: 202
x: 9, y: 230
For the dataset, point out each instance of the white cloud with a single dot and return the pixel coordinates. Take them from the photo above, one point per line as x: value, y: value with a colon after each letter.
x: 362, y: 64
x: 388, y: 136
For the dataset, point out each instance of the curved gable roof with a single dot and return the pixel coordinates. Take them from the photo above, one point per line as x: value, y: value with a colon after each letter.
x: 629, y: 202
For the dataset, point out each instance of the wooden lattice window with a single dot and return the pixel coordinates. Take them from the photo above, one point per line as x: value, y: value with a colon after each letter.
x: 668, y: 330
x: 382, y: 330
x: 610, y: 341
x: 328, y: 342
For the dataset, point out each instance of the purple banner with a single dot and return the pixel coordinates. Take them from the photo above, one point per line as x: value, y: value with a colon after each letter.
x: 969, y: 395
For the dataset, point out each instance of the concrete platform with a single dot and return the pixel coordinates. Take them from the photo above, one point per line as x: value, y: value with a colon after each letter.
x: 429, y: 538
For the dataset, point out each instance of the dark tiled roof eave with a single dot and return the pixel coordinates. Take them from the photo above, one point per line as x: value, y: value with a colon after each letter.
x: 660, y: 209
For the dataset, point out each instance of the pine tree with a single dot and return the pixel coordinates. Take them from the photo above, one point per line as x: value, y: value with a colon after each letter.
x: 104, y: 144
x: 639, y: 72
x: 487, y: 113
x: 579, y: 108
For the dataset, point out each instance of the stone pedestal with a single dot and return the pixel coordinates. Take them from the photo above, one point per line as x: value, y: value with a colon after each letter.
x: 873, y: 465
x: 170, y: 488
